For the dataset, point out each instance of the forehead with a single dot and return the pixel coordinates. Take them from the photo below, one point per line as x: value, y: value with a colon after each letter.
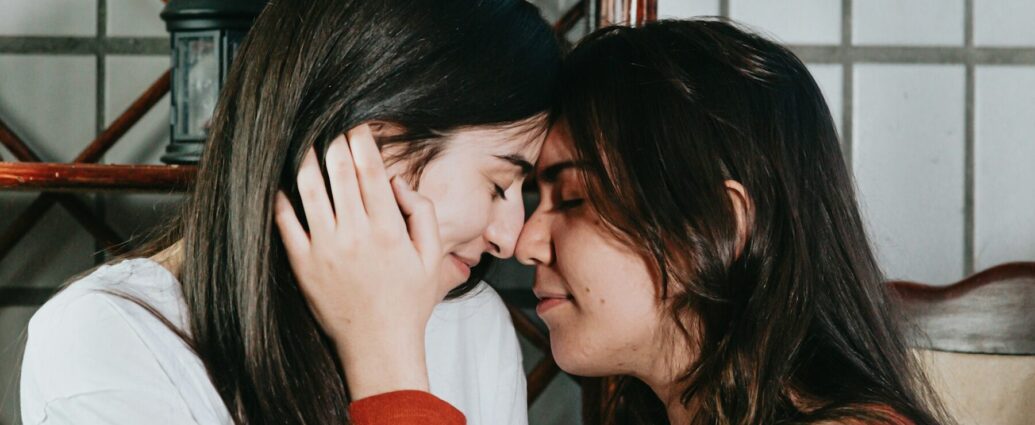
x: 524, y: 138
x: 557, y: 146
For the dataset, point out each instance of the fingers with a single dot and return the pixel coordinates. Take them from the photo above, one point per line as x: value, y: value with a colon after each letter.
x: 421, y: 221
x: 378, y: 198
x: 296, y: 241
x: 341, y: 171
x: 313, y: 192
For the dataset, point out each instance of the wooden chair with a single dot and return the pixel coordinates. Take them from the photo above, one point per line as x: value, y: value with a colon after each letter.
x: 976, y: 340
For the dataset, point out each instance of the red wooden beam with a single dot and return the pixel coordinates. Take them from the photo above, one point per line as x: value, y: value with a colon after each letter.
x: 646, y: 11
x: 989, y: 312
x: 541, y: 376
x: 96, y: 149
x: 15, y: 144
x: 527, y: 329
x: 619, y: 12
x: 56, y: 177
x: 97, y: 227
x: 23, y: 223
x: 28, y: 218
x: 570, y: 18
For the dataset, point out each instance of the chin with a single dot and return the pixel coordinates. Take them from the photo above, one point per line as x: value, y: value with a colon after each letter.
x: 448, y: 282
x: 574, y: 359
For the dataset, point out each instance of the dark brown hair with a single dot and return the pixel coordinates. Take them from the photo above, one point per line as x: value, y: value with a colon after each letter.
x: 308, y: 71
x: 797, y: 328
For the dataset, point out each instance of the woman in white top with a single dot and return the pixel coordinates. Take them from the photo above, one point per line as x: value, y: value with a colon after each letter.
x: 208, y: 325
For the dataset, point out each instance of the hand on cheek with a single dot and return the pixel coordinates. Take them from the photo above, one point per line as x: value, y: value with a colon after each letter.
x: 369, y: 264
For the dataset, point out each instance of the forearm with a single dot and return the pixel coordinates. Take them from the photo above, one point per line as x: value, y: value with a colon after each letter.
x: 404, y: 408
x: 384, y: 363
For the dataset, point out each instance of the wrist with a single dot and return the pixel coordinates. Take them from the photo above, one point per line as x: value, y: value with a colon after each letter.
x: 382, y: 366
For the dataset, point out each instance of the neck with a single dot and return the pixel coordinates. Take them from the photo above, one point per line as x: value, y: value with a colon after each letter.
x: 663, y: 378
x: 671, y: 396
x: 171, y: 258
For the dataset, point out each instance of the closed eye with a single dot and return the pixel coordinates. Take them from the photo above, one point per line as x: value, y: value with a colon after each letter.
x: 567, y: 204
x: 500, y: 192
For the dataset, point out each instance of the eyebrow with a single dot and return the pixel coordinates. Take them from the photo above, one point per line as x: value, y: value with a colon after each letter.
x: 550, y: 173
x: 519, y: 161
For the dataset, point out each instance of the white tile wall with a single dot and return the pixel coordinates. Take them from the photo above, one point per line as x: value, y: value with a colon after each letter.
x: 912, y: 22
x: 135, y: 18
x: 1004, y: 22
x: 792, y: 21
x: 5, y: 155
x: 687, y: 8
x: 830, y: 78
x: 32, y: 262
x: 134, y: 215
x: 127, y: 77
x: 35, y: 89
x: 908, y: 161
x: 1004, y: 165
x: 48, y: 17
x: 553, y: 10
x: 49, y: 102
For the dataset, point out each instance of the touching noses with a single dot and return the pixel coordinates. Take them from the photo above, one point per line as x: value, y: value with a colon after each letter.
x: 505, y: 226
x: 533, y: 245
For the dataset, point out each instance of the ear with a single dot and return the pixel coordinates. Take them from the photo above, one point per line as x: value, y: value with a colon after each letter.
x: 385, y: 129
x: 390, y: 153
x: 743, y: 210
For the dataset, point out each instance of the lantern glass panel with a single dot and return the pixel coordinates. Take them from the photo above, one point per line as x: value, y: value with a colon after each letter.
x: 197, y: 82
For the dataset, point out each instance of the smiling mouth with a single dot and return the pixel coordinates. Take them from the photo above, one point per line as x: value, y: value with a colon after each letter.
x: 463, y: 265
x: 548, y: 302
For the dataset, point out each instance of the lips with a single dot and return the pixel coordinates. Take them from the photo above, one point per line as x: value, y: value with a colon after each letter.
x: 463, y: 265
x: 548, y: 300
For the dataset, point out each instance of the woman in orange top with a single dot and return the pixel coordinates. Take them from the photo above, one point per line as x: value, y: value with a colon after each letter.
x: 697, y: 235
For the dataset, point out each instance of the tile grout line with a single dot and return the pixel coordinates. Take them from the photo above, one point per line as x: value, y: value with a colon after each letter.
x: 828, y: 53
x: 969, y: 136
x: 100, y: 200
x: 847, y: 85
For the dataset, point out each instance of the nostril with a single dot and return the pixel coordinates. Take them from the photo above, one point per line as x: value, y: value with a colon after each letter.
x: 495, y: 248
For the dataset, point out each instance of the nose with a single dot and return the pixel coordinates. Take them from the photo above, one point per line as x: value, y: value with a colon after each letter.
x: 534, y: 245
x: 504, y: 227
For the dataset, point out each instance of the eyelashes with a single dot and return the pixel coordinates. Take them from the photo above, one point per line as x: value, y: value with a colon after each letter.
x: 568, y: 204
x: 499, y: 192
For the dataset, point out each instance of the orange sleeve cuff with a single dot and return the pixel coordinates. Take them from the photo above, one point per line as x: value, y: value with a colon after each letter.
x: 404, y: 408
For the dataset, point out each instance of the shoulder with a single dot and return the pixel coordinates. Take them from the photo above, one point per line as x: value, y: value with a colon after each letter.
x: 111, y: 289
x: 87, y: 324
x: 481, y: 312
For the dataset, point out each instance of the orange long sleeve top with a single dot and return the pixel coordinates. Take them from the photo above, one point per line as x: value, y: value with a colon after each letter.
x: 404, y: 408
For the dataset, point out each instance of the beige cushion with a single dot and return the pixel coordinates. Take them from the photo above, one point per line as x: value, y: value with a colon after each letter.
x: 984, y: 389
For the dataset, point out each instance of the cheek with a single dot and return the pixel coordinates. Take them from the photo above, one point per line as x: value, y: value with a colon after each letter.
x: 461, y: 209
x: 612, y: 339
x: 613, y: 323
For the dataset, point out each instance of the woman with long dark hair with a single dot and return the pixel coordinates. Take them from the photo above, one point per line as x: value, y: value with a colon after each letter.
x: 208, y: 324
x: 698, y: 235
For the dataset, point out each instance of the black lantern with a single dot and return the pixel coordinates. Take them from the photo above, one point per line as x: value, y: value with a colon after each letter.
x: 205, y: 35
